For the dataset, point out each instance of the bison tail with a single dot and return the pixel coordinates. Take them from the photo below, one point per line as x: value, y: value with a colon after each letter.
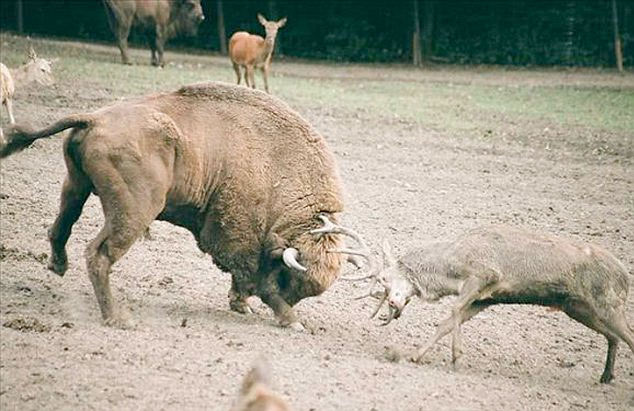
x: 19, y: 137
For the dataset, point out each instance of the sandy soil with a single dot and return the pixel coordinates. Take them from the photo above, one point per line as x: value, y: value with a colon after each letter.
x: 404, y: 181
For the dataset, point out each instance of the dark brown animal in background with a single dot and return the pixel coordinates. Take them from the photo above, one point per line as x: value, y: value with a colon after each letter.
x: 245, y: 174
x: 160, y: 20
x: 252, y: 51
x: 256, y: 394
x: 507, y: 265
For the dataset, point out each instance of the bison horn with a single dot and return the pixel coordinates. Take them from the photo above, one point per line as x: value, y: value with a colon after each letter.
x: 290, y: 259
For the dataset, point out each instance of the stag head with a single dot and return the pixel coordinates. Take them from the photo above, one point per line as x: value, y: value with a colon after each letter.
x: 397, y: 288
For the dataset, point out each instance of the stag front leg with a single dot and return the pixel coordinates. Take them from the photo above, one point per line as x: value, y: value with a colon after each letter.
x: 461, y: 312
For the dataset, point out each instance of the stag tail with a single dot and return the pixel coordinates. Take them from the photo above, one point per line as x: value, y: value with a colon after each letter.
x: 19, y: 137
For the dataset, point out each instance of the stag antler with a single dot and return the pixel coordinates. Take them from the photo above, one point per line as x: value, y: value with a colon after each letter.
x: 364, y: 251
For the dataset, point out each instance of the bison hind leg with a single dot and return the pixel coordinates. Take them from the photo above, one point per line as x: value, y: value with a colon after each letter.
x: 75, y: 192
x: 129, y: 208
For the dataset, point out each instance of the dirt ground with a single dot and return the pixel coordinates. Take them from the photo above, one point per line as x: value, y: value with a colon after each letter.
x: 405, y: 181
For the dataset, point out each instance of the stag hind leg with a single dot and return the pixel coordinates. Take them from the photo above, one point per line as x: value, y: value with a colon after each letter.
x: 613, y: 326
x: 75, y: 192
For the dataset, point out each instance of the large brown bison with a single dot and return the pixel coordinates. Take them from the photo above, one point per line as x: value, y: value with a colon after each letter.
x: 239, y: 169
x: 159, y: 19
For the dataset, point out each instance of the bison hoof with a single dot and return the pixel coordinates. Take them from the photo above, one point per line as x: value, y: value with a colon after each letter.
x: 240, y: 306
x: 58, y: 265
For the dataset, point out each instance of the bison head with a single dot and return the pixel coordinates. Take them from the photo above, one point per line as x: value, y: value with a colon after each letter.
x: 188, y: 15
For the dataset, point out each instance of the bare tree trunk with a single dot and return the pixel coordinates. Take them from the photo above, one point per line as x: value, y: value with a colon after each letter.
x: 618, y: 51
x: 222, y: 35
x: 19, y: 16
x: 417, y: 58
x: 428, y: 29
x: 570, y: 31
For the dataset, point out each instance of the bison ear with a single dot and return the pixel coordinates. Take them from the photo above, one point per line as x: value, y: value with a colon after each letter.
x: 262, y: 20
x: 281, y: 22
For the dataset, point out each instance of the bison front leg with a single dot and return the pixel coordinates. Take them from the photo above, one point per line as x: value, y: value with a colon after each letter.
x: 158, y: 46
x: 270, y: 295
x: 238, y: 298
x: 283, y: 311
x: 122, y: 31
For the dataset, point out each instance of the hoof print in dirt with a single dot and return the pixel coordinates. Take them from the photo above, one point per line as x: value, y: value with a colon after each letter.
x: 391, y: 354
x: 27, y: 324
x: 165, y: 281
x: 120, y: 323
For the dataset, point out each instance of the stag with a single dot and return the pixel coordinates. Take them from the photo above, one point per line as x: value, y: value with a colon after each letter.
x: 505, y: 265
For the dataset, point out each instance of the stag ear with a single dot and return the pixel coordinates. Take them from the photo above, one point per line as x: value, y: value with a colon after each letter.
x: 388, y: 257
x: 281, y: 22
x: 262, y: 20
x: 32, y: 55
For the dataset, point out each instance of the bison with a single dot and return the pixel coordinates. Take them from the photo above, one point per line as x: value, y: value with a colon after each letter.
x: 245, y: 174
x: 159, y: 19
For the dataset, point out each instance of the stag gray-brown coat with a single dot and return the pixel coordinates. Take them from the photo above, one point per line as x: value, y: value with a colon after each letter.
x: 240, y: 170
x: 508, y: 265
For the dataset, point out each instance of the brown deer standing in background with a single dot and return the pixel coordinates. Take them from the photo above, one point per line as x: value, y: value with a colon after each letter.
x: 252, y: 51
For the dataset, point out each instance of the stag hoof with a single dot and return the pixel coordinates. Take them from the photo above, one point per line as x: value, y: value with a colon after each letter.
x: 119, y: 322
x: 417, y: 359
x: 297, y: 326
x: 606, y: 378
x: 58, y: 265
